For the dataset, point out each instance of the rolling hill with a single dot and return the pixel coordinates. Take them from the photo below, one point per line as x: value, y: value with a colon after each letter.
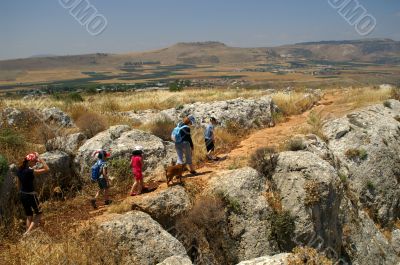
x: 383, y: 51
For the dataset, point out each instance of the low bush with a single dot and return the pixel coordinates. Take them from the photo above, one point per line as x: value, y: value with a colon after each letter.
x: 356, y: 154
x: 295, y: 144
x: 161, y: 127
x: 204, y: 232
x: 282, y: 230
x: 3, y: 168
x: 387, y: 104
x: 120, y: 173
x: 315, y: 123
x: 91, y: 124
x: 264, y: 160
x: 395, y: 93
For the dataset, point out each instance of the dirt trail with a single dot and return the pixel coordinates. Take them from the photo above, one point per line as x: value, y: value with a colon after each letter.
x: 329, y: 106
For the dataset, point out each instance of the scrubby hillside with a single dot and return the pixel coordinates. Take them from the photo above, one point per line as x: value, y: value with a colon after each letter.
x: 311, y: 178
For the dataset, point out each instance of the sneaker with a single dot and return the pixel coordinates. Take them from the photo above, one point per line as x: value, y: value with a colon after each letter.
x: 194, y: 172
x: 93, y: 202
x: 108, y: 202
x: 134, y: 194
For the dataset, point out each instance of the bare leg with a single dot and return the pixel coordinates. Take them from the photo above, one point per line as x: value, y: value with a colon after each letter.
x: 134, y: 186
x: 140, y: 186
x: 33, y: 224
x: 28, y: 221
x: 106, y: 194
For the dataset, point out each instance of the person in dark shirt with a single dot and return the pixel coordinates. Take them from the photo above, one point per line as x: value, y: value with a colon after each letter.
x: 26, y: 174
x: 186, y: 147
x: 209, y: 139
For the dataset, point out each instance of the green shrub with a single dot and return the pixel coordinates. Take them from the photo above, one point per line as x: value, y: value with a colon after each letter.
x: 120, y: 172
x: 316, y: 121
x: 231, y: 204
x: 3, y: 168
x: 370, y: 185
x: 175, y: 86
x: 282, y: 230
x: 264, y: 160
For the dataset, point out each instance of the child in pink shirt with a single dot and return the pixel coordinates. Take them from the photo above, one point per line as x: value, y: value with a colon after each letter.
x: 137, y: 165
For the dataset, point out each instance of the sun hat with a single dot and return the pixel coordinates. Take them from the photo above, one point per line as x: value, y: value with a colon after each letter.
x: 138, y: 148
x: 192, y: 119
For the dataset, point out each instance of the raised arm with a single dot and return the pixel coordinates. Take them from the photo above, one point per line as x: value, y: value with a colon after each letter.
x: 42, y: 170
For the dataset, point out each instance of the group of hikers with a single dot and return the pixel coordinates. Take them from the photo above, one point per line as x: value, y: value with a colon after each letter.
x: 33, y: 166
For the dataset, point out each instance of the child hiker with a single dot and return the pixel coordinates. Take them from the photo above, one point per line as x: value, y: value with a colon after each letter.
x: 209, y: 139
x: 137, y: 165
x: 100, y: 175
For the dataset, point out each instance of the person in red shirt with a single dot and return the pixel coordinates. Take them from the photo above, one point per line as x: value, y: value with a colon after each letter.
x: 137, y: 165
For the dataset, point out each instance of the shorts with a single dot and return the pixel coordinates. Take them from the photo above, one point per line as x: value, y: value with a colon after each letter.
x: 102, y: 183
x: 30, y: 203
x: 138, y: 177
x: 209, y: 145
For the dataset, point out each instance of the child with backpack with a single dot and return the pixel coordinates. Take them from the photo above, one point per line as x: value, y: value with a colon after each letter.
x: 137, y: 165
x: 100, y: 175
x: 184, y: 143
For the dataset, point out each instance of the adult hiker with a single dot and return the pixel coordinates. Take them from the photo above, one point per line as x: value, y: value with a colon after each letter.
x: 209, y: 139
x: 137, y: 165
x: 100, y: 175
x: 31, y: 167
x: 184, y: 143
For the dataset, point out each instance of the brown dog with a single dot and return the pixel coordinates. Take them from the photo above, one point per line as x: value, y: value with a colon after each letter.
x: 174, y: 170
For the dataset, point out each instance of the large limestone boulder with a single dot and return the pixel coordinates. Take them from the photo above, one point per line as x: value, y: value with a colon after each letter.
x: 68, y: 144
x: 396, y: 240
x: 12, y: 116
x: 280, y: 259
x: 243, y: 189
x: 249, y: 113
x: 57, y: 116
x: 166, y: 205
x: 308, y: 187
x: 176, y: 260
x: 367, y: 145
x: 9, y: 194
x: 142, y: 239
x: 363, y: 242
x: 120, y: 141
x: 61, y: 174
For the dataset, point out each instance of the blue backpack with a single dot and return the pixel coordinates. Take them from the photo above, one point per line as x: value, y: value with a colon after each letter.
x: 96, y: 170
x: 176, y: 134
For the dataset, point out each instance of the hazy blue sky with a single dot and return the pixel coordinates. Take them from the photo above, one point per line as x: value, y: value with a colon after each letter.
x: 32, y: 27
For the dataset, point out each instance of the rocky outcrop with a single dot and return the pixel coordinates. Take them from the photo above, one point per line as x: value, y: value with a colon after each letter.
x: 363, y: 243
x: 280, y: 259
x: 120, y: 141
x: 243, y: 190
x: 366, y: 143
x: 249, y: 113
x: 56, y: 116
x: 176, y: 260
x: 396, y: 241
x: 61, y: 174
x: 24, y: 117
x: 308, y: 187
x: 8, y: 194
x: 142, y: 239
x: 68, y: 144
x: 166, y: 205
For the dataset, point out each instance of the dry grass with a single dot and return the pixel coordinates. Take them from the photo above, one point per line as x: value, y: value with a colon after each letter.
x: 362, y: 97
x: 308, y: 256
x: 85, y: 247
x: 91, y: 124
x: 294, y: 103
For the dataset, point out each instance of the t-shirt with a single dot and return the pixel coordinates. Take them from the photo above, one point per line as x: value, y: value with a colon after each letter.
x: 136, y: 164
x: 186, y: 136
x: 209, y: 133
x: 103, y: 167
x: 26, y: 178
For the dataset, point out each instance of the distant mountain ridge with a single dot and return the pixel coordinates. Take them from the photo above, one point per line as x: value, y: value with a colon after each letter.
x: 384, y: 51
